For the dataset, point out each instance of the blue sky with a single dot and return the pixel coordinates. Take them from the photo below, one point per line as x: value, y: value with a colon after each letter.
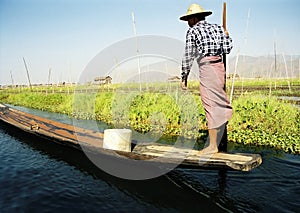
x: 65, y: 35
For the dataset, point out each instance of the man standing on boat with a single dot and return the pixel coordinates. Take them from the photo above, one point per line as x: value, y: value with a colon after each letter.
x: 207, y: 43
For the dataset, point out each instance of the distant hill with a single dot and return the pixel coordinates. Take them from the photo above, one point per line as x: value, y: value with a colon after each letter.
x: 162, y: 70
x: 264, y: 66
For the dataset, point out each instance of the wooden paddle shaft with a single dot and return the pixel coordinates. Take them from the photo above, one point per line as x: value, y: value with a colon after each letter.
x: 223, y: 143
x: 224, y: 16
x: 225, y: 29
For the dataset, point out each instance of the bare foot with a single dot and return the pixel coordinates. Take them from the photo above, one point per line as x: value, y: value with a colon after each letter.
x: 208, y: 150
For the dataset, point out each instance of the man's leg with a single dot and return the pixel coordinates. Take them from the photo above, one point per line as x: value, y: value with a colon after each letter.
x: 213, y: 145
x: 215, y: 137
x: 223, y: 143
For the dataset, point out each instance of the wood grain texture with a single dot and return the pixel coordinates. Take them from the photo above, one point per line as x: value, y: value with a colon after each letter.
x: 77, y: 137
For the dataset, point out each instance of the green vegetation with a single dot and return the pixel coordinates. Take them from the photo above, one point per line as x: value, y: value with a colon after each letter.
x: 259, y: 118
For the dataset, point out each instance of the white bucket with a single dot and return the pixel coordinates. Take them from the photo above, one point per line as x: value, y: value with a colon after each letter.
x: 117, y: 139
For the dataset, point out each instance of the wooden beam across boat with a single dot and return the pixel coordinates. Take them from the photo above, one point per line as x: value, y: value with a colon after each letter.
x: 152, y: 152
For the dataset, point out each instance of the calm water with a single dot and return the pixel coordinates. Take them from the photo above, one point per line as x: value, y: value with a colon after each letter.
x: 38, y: 176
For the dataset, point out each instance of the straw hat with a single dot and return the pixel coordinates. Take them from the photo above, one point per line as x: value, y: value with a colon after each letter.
x: 195, y: 9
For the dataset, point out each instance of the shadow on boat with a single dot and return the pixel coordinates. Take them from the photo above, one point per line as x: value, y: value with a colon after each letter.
x: 170, y: 191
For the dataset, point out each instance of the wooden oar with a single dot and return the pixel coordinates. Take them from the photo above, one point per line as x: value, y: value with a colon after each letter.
x: 225, y: 29
x: 223, y: 143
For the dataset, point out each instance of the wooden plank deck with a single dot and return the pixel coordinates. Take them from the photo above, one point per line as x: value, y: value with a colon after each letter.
x: 152, y: 152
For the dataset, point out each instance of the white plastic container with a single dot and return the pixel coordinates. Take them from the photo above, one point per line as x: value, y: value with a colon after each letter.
x: 117, y: 139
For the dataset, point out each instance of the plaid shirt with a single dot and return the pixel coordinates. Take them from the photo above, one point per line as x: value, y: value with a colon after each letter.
x: 204, y: 39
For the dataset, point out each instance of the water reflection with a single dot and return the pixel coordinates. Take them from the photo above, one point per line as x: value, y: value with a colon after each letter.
x: 161, y: 192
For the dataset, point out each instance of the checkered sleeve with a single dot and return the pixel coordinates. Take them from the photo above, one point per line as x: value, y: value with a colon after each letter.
x: 189, y: 55
x: 226, y: 41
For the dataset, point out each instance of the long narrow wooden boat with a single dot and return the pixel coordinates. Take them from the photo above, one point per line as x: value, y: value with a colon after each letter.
x: 66, y: 134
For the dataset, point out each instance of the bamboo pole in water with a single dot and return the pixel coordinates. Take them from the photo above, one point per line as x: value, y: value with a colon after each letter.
x: 275, y: 58
x: 286, y: 72
x: 49, y: 74
x: 137, y: 51
x: 27, y: 71
x: 270, y: 89
x: 275, y: 62
x: 233, y: 78
x: 12, y: 79
x: 270, y: 78
x: 292, y: 70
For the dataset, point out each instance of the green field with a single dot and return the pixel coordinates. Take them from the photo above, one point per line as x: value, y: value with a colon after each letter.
x: 259, y: 117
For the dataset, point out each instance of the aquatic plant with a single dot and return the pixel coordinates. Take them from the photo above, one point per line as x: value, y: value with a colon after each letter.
x: 258, y: 119
x: 263, y: 120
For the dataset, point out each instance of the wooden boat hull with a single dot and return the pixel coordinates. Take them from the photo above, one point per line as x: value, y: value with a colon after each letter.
x: 151, y: 153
